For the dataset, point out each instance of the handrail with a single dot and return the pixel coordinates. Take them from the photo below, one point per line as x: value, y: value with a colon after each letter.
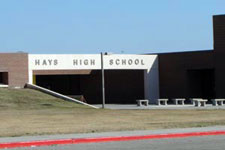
x: 36, y: 87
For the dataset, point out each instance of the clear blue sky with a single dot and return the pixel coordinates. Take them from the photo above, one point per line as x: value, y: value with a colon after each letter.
x: 92, y: 26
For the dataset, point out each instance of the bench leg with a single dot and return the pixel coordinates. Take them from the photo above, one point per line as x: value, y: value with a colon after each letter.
x: 176, y: 102
x: 203, y: 104
x: 215, y: 103
x: 159, y: 103
x: 182, y: 102
x: 221, y: 103
x: 197, y: 104
x: 138, y: 104
x: 165, y: 102
x: 146, y: 103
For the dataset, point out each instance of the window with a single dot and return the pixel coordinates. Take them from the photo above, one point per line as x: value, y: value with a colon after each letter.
x: 3, y: 78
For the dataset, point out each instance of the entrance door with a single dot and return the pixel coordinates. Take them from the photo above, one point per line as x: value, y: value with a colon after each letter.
x: 201, y: 83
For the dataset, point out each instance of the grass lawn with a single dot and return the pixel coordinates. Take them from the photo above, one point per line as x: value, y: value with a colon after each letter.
x: 29, y: 112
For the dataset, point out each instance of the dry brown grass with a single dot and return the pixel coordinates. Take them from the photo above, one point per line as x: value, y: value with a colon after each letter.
x: 57, y: 121
x: 28, y: 112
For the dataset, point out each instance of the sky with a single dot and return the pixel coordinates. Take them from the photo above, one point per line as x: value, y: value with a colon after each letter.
x: 116, y: 26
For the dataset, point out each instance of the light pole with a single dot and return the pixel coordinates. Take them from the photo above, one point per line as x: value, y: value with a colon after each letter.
x: 103, y: 81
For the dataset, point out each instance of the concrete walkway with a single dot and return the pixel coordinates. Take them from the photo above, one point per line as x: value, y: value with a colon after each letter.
x: 109, y: 134
x: 134, y: 106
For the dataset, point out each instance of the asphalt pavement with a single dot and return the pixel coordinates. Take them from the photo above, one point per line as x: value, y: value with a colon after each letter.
x: 190, y: 143
x: 109, y: 134
x: 209, y: 142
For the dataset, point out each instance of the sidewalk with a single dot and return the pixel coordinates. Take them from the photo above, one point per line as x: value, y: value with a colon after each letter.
x: 170, y: 106
x: 109, y: 134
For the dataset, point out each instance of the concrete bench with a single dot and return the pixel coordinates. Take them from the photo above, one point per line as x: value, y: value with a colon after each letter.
x: 191, y: 100
x: 199, y: 102
x: 176, y: 101
x: 142, y: 102
x: 217, y: 102
x: 163, y: 100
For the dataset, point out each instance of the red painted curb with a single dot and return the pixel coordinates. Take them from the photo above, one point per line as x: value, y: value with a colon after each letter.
x: 106, y: 139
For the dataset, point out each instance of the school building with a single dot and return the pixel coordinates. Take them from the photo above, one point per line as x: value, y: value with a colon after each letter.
x: 127, y: 77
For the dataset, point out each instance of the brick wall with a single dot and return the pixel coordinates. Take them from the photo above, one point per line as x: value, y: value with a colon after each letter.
x: 16, y: 64
x: 219, y: 50
x: 173, y: 71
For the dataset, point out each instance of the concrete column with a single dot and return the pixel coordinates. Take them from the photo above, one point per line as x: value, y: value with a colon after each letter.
x: 151, y: 83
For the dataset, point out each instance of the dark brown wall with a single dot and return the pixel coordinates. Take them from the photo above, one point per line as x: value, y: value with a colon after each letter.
x: 173, y: 71
x: 219, y: 33
x: 16, y: 64
x: 173, y: 67
x: 121, y: 86
x: 124, y: 86
x: 219, y: 50
x: 91, y: 87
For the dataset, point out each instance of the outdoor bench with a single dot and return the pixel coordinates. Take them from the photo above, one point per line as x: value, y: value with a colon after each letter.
x: 217, y: 102
x: 163, y: 100
x: 142, y: 102
x: 177, y: 100
x: 199, y: 102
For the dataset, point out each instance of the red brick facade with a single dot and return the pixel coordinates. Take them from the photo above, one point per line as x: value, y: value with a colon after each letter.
x: 16, y: 64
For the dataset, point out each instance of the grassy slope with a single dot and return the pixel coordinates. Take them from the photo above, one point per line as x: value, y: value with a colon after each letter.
x: 31, y: 99
x: 29, y: 112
